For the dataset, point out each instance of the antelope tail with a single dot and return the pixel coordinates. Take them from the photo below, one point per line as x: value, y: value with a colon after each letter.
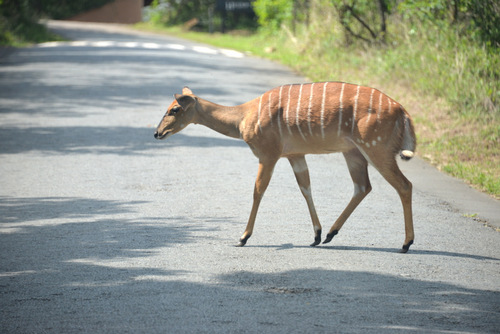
x: 409, y: 141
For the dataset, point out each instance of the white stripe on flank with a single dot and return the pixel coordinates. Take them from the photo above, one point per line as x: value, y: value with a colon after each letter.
x: 279, y: 112
x: 323, y: 111
x: 379, y: 107
x: 371, y: 100
x: 258, y: 114
x: 355, y: 110
x: 341, y: 109
x: 298, y: 113
x: 288, y: 110
x: 389, y: 111
x: 370, y: 109
x: 269, y: 109
x: 309, y: 110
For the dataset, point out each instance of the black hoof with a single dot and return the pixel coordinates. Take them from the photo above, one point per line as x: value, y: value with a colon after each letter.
x: 317, y: 239
x: 243, y: 242
x: 330, y: 236
x: 315, y: 243
x: 406, y: 247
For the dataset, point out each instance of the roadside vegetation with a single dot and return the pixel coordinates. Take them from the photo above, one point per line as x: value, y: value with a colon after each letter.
x: 439, y: 58
x: 19, y: 19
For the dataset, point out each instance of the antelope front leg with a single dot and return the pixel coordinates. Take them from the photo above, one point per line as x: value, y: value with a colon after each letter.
x: 263, y: 177
x: 301, y: 171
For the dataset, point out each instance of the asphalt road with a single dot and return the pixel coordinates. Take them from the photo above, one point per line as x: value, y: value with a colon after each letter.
x: 105, y: 230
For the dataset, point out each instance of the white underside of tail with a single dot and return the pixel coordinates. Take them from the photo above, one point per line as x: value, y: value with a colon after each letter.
x: 407, y: 154
x: 408, y: 145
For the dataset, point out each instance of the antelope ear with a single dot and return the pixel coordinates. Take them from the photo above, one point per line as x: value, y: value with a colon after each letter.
x: 186, y: 91
x: 185, y: 101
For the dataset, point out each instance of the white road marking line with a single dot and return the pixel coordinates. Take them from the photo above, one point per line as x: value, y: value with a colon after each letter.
x: 49, y: 44
x: 205, y: 50
x: 146, y: 45
x: 231, y: 53
x: 175, y: 46
x: 151, y: 45
x: 79, y: 43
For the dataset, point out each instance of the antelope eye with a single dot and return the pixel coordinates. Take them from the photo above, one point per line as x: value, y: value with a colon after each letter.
x: 174, y: 110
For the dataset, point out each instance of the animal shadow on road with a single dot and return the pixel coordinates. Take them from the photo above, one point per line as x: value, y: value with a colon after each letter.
x: 378, y: 249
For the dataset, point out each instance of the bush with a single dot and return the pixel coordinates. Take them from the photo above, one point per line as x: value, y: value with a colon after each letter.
x: 273, y: 13
x: 19, y: 18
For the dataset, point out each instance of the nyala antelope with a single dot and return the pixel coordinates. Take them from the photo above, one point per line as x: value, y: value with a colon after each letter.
x: 291, y: 121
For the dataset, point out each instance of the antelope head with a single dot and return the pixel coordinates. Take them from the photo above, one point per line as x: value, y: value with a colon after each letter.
x: 179, y: 114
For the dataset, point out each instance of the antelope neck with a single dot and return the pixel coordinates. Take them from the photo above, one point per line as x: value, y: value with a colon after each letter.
x: 225, y: 120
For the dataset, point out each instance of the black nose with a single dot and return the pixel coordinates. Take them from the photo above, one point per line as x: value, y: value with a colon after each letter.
x: 156, y: 134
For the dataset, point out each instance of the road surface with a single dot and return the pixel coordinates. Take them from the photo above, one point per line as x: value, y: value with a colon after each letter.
x: 105, y: 230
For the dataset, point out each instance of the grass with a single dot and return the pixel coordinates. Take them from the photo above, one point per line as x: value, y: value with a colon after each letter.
x: 450, y: 86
